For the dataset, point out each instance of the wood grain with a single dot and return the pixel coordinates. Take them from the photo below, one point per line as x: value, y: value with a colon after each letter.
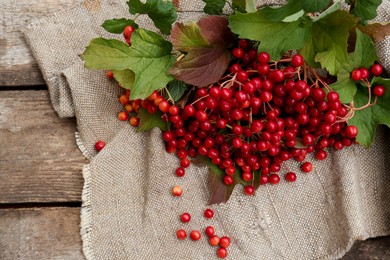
x: 39, y: 158
x: 17, y: 66
x: 40, y: 233
x: 375, y: 248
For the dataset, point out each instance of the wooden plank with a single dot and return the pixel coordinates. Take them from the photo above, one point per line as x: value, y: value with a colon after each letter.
x: 40, y: 233
x: 375, y: 248
x: 39, y: 158
x: 17, y: 66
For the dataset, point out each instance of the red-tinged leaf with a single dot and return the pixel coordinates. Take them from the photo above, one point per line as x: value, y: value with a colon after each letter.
x: 205, y: 44
x: 376, y: 31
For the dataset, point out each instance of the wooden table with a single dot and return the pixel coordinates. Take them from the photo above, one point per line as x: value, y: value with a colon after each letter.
x: 40, y: 164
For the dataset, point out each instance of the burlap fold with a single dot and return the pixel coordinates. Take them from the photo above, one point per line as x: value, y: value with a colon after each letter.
x: 128, y: 211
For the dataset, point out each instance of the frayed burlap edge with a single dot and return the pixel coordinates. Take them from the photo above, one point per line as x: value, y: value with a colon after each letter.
x: 86, y: 214
x: 82, y: 147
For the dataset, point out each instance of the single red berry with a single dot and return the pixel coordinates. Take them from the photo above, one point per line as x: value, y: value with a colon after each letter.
x: 214, y: 240
x: 174, y: 110
x: 376, y: 69
x: 177, y: 191
x: 180, y: 172
x: 242, y: 76
x: 263, y: 57
x: 333, y: 96
x: 249, y: 190
x: 364, y: 73
x: 208, y: 213
x: 99, y: 145
x: 238, y: 53
x: 379, y: 91
x: 185, y: 162
x: 185, y: 217
x: 222, y: 252
x: 356, y: 75
x: 195, y: 235
x: 307, y: 167
x: 291, y: 177
x: 128, y: 31
x: 181, y: 234
x: 109, y: 74
x: 264, y: 179
x: 274, y: 179
x: 123, y: 116
x: 321, y: 155
x: 224, y: 242
x: 228, y: 180
x: 247, y: 176
x: 351, y: 131
x: 134, y: 121
x: 297, y: 60
x: 210, y: 231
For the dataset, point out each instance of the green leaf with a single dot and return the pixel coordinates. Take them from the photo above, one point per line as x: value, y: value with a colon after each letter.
x: 250, y: 6
x: 118, y: 25
x: 363, y: 56
x: 205, y: 45
x: 334, y: 7
x: 239, y: 5
x: 124, y: 77
x: 277, y: 14
x: 162, y: 13
x: 219, y: 191
x: 311, y: 6
x: 366, y: 9
x: 214, y: 6
x: 148, y: 121
x: 365, y: 52
x: 276, y: 37
x: 329, y: 41
x: 151, y: 59
x: 107, y: 54
x: 176, y: 89
x: 367, y: 120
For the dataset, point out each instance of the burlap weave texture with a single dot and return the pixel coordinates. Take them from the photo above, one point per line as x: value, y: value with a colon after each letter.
x: 128, y: 211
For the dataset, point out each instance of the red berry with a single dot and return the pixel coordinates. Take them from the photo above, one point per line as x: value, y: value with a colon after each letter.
x: 208, y: 213
x: 274, y: 179
x: 180, y: 172
x: 249, y: 190
x: 307, y: 167
x: 109, y: 74
x: 134, y: 121
x: 242, y: 76
x: 224, y: 242
x: 356, y: 75
x: 379, y: 91
x: 228, y: 180
x: 263, y: 57
x: 181, y: 234
x: 185, y: 217
x: 174, y: 110
x: 364, y: 73
x: 321, y: 154
x: 210, y: 231
x: 291, y: 177
x: 376, y: 69
x: 128, y: 31
x: 195, y: 235
x: 185, y: 162
x: 123, y: 116
x: 351, y: 131
x: 177, y: 191
x: 238, y: 53
x: 99, y: 145
x: 222, y: 252
x: 297, y: 60
x: 214, y: 240
x: 164, y: 106
x: 333, y: 96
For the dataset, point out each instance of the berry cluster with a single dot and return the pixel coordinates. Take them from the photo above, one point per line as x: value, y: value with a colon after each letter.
x: 214, y: 240
x: 260, y: 114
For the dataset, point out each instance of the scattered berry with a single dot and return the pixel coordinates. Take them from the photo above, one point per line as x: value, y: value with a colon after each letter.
x: 214, y: 240
x: 208, y: 213
x: 177, y: 191
x: 181, y: 234
x: 222, y: 252
x: 99, y: 145
x: 195, y: 235
x: 224, y: 242
x: 185, y: 217
x: 209, y: 231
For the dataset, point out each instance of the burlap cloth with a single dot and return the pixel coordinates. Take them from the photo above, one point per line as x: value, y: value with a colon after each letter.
x: 128, y: 211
